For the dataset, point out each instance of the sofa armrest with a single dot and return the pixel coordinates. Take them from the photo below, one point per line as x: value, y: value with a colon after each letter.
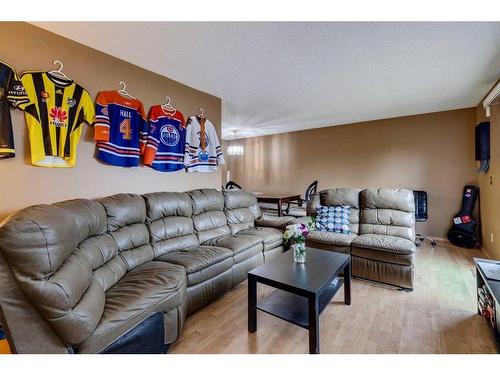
x: 280, y: 221
x: 274, y: 221
x: 31, y: 334
x: 300, y: 220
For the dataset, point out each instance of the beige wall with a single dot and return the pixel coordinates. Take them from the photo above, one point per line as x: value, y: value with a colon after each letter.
x: 490, y: 192
x: 432, y: 152
x: 26, y: 47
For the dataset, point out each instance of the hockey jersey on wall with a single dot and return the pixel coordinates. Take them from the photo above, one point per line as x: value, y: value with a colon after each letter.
x: 12, y: 93
x: 166, y: 140
x: 55, y: 114
x: 120, y: 129
x: 203, y: 152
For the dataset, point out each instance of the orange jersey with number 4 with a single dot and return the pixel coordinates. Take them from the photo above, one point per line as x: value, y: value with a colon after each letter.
x: 120, y: 129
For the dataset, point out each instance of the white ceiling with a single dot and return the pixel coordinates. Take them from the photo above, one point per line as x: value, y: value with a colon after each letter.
x: 280, y: 77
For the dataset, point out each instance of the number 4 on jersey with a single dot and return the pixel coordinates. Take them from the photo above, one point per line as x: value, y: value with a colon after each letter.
x: 125, y: 129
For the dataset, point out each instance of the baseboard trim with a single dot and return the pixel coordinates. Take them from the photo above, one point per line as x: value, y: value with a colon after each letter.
x: 488, y: 255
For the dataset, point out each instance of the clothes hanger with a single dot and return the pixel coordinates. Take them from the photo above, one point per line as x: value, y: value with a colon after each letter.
x: 123, y: 91
x: 167, y: 107
x: 201, y: 115
x: 58, y: 72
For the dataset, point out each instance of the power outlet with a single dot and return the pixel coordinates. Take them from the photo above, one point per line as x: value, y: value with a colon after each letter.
x: 491, y: 236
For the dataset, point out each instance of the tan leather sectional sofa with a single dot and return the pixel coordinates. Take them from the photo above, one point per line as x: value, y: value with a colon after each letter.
x: 382, y: 238
x: 120, y: 274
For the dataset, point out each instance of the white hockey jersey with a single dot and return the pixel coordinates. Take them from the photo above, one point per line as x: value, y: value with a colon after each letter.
x: 202, y: 154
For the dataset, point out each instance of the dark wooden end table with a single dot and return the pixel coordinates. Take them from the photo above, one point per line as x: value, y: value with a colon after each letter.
x: 302, y: 290
x: 278, y: 199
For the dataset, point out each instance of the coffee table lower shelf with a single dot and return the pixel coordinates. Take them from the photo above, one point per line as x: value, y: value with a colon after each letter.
x: 294, y: 308
x: 302, y: 291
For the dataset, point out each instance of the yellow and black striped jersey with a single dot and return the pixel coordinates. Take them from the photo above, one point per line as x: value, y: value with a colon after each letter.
x: 11, y: 94
x: 55, y: 114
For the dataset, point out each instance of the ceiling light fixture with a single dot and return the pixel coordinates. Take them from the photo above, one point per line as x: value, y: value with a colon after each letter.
x: 235, y: 149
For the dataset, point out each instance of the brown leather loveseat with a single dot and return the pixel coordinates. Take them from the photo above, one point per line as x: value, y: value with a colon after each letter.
x: 120, y: 274
x: 382, y: 232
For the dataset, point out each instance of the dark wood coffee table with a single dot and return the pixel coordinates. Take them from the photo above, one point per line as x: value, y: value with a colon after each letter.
x: 303, y: 290
x: 277, y: 199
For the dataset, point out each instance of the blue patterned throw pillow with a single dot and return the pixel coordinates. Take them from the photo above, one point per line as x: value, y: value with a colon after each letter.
x: 333, y: 219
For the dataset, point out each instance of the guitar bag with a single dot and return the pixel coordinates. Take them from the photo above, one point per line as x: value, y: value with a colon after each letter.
x: 463, y: 232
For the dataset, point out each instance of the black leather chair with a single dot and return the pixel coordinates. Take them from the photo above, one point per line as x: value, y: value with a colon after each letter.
x: 299, y: 210
x: 421, y: 215
x: 232, y: 185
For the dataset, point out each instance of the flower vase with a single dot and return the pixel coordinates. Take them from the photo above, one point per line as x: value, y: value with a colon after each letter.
x: 299, y: 252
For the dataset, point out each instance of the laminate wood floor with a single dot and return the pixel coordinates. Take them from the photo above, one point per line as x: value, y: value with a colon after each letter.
x: 439, y: 316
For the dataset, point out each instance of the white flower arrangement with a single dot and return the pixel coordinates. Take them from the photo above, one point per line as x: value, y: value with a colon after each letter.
x: 297, y: 232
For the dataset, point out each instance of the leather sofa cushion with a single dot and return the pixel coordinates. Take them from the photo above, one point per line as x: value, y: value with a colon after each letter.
x: 271, y: 237
x: 240, y: 199
x: 103, y: 255
x: 241, y: 209
x: 274, y: 221
x: 151, y: 287
x: 210, y: 272
x: 166, y: 204
x: 201, y: 262
x: 126, y: 215
x: 123, y: 210
x: 388, y: 211
x: 210, y: 225
x: 169, y: 221
x: 389, y: 244
x: 389, y: 230
x: 394, y: 199
x: 205, y: 200
x: 248, y: 253
x: 338, y: 197
x: 133, y: 244
x: 167, y: 245
x: 236, y: 243
x: 239, y: 219
x: 208, y: 214
x: 91, y: 216
x: 331, y: 238
x: 386, y: 216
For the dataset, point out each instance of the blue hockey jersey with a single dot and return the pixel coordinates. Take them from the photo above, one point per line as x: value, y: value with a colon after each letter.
x: 166, y: 140
x: 120, y: 129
